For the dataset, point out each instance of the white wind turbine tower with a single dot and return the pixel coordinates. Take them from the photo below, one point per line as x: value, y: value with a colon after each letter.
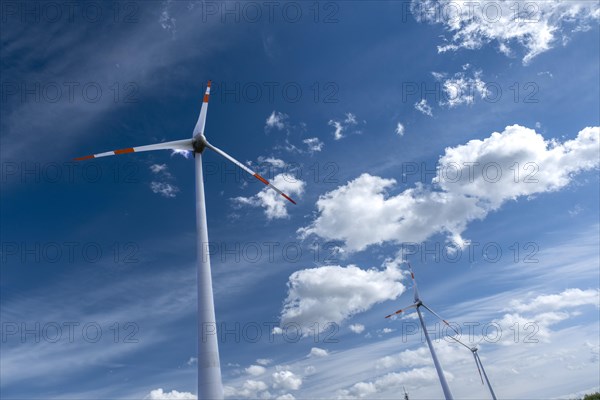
x: 209, y: 369
x: 418, y: 303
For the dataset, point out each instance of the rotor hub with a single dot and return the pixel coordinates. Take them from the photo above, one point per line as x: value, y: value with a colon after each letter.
x: 199, y: 144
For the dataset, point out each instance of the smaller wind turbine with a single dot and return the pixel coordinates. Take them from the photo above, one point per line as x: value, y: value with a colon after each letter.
x: 473, y: 350
x: 417, y: 305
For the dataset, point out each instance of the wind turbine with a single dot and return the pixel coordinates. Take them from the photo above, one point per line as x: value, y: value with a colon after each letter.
x: 209, y: 369
x: 474, y: 350
x: 417, y: 305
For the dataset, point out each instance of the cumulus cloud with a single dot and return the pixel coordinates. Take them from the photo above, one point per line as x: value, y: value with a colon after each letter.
x: 251, y: 389
x: 331, y: 294
x: 536, y: 26
x: 417, y: 377
x: 256, y: 370
x: 276, y: 120
x: 357, y: 328
x: 472, y: 180
x: 424, y: 107
x: 160, y: 394
x: 516, y: 162
x: 318, y: 352
x: 286, y: 380
x: 273, y: 203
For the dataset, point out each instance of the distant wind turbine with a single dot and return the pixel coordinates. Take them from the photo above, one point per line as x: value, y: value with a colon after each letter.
x: 473, y: 350
x: 418, y: 303
x: 209, y: 369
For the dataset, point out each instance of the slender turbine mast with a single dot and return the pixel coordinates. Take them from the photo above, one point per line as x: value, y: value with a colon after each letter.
x: 418, y: 304
x: 209, y: 368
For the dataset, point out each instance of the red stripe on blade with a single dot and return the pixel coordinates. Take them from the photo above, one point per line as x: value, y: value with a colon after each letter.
x: 287, y: 197
x: 260, y: 178
x: 124, y: 151
x: 83, y: 158
x: 205, y: 98
x: 208, y: 84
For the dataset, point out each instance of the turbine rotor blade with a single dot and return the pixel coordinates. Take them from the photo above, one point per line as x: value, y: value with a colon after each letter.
x: 185, y: 144
x: 401, y: 310
x: 248, y: 170
x: 447, y: 324
x: 199, y: 128
x: 477, y: 362
x: 415, y: 289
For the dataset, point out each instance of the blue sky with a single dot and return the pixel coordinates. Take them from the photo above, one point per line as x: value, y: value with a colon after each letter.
x: 351, y: 108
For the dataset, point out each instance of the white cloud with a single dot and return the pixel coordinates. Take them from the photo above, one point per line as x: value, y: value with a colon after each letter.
x: 573, y: 297
x: 357, y: 328
x: 192, y: 361
x: 361, y: 213
x: 462, y: 88
x: 272, y: 162
x: 330, y: 294
x: 313, y: 144
x: 350, y: 119
x: 286, y: 396
x: 183, y: 153
x: 164, y: 189
x: 424, y: 107
x: 286, y: 380
x: 536, y: 26
x: 421, y: 357
x: 166, y: 21
x: 264, y: 361
x: 255, y: 370
x: 318, y: 352
x: 276, y: 120
x: 273, y: 203
x: 337, y: 134
x: 400, y: 129
x: 543, y: 165
x: 251, y: 389
x: 156, y: 168
x: 346, y: 124
x: 415, y: 377
x: 159, y: 394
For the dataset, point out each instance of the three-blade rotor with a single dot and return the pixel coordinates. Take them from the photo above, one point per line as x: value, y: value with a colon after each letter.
x: 197, y: 144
